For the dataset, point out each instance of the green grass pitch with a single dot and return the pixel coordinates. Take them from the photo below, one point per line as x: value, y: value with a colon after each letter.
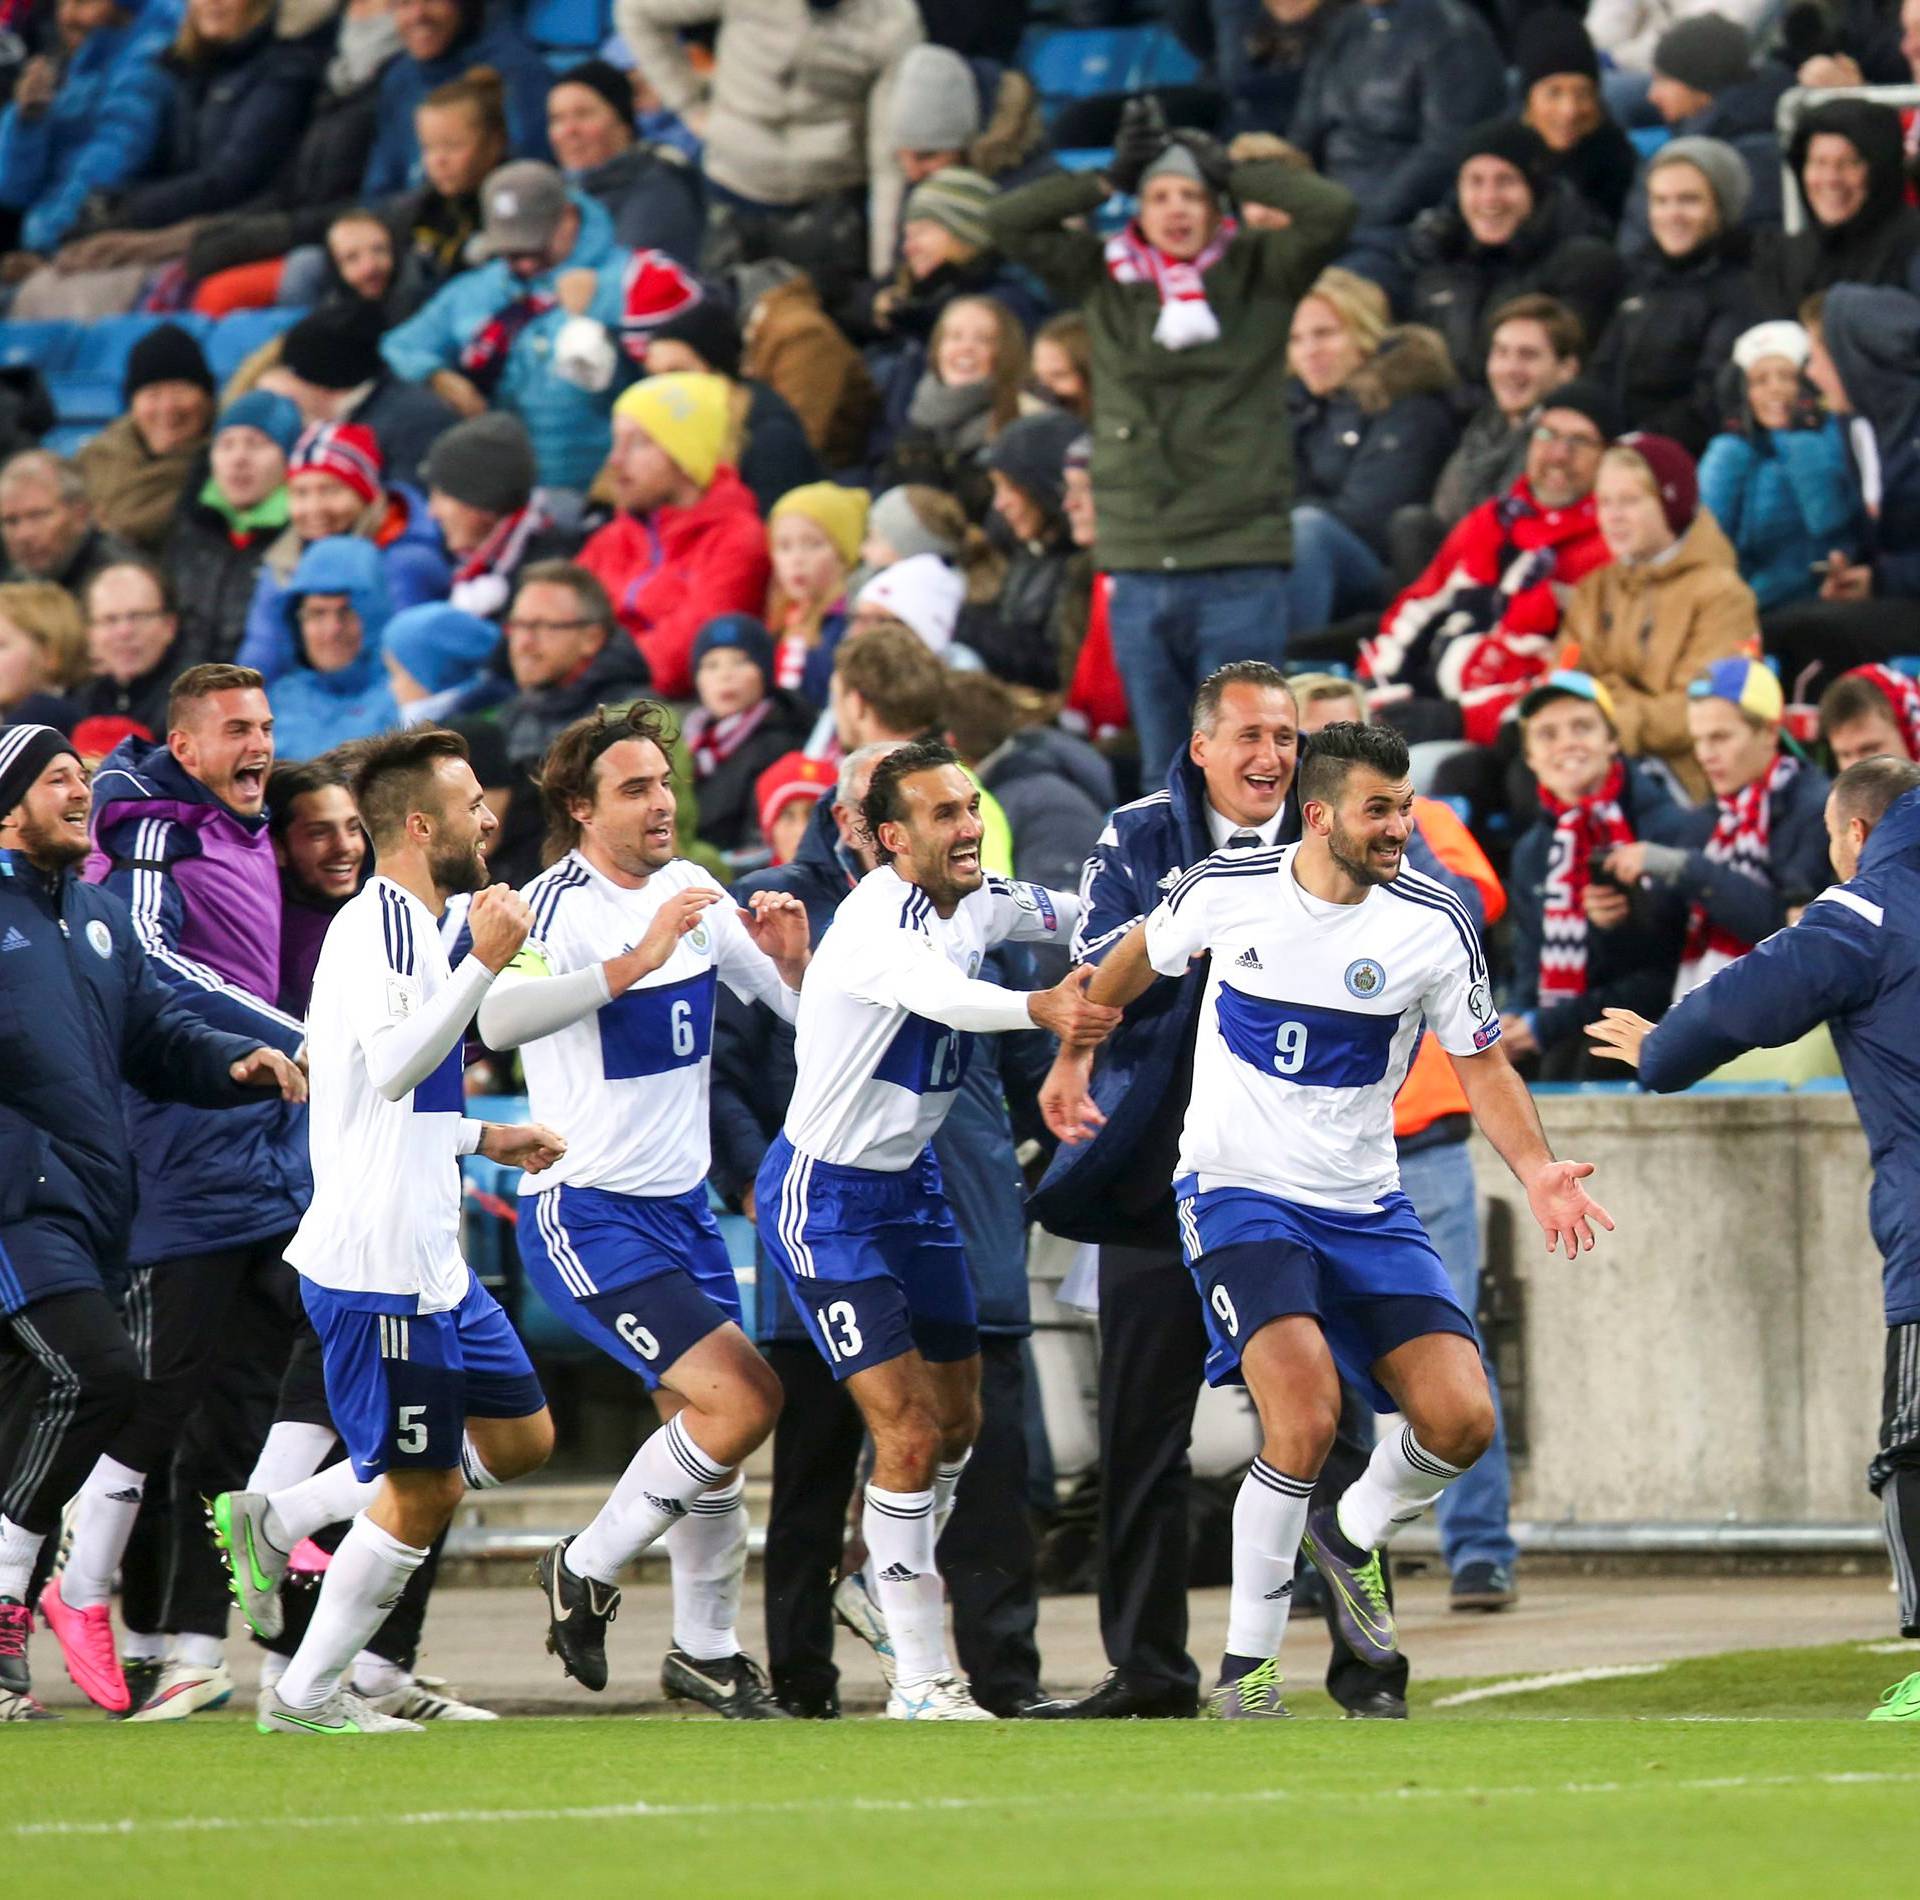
x: 1743, y: 1775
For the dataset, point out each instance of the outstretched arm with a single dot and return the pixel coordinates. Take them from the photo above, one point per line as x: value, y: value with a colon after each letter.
x: 1507, y: 1117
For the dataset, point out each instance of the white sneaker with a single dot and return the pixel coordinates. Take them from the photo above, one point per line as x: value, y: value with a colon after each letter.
x: 427, y: 1699
x: 183, y: 1688
x: 343, y: 1713
x: 854, y: 1605
x: 938, y: 1699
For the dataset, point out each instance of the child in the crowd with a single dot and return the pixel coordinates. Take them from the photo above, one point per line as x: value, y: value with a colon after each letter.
x: 221, y: 535
x: 43, y: 652
x: 742, y: 724
x: 1778, y: 481
x: 336, y: 486
x: 1749, y: 860
x: 335, y: 610
x: 813, y: 535
x: 786, y: 794
x: 1061, y: 368
x: 915, y: 519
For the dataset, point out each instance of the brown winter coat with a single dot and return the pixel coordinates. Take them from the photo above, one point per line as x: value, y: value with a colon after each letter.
x: 794, y: 347
x: 134, y: 493
x: 1646, y: 631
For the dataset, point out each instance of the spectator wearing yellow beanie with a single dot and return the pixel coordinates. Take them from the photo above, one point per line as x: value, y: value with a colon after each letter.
x: 813, y: 536
x: 687, y: 543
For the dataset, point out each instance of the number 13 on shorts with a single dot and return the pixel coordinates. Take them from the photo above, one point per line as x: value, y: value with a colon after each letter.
x: 840, y: 1329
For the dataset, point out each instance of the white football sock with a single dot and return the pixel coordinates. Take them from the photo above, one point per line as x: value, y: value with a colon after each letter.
x: 900, y: 1567
x: 362, y: 1584
x: 946, y: 1481
x: 376, y: 1675
x: 1401, y: 1479
x: 1269, y: 1516
x: 19, y: 1552
x: 473, y: 1468
x: 667, y: 1473
x: 145, y: 1645
x: 709, y: 1551
x: 328, y: 1497
x: 199, y: 1652
x: 273, y: 1666
x: 293, y: 1451
x: 102, y: 1523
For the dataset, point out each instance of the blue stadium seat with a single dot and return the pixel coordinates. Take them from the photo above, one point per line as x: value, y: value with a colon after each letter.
x: 47, y: 346
x: 236, y: 337
x: 1648, y: 139
x: 569, y: 28
x: 102, y: 348
x: 1085, y: 158
x: 1083, y: 62
x: 1163, y: 61
x: 1824, y: 1085
x: 68, y: 437
x: 88, y: 399
x: 1907, y: 663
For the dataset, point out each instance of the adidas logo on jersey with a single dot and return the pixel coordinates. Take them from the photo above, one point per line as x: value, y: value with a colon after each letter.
x: 899, y: 1573
x: 1248, y: 959
x: 14, y: 940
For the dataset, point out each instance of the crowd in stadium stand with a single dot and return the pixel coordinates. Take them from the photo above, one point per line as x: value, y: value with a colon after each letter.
x: 1545, y: 385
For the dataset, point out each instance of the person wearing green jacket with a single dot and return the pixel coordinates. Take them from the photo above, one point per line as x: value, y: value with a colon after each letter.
x: 1188, y: 310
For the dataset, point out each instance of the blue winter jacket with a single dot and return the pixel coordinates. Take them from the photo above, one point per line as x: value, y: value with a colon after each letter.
x: 1119, y: 1186
x: 81, y: 1009
x: 1873, y: 335
x: 1786, y: 499
x: 571, y: 428
x: 416, y: 571
x: 1852, y: 962
x: 394, y: 162
x: 753, y: 1074
x: 101, y: 129
x: 312, y: 711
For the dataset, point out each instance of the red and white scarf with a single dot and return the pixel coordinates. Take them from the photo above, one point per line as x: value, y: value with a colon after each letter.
x: 714, y: 741
x: 1739, y: 841
x: 483, y: 582
x: 484, y: 359
x: 1901, y: 693
x: 1186, y: 318
x: 1581, y: 827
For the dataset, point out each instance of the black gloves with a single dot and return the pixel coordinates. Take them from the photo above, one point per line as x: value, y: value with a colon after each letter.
x: 1142, y: 137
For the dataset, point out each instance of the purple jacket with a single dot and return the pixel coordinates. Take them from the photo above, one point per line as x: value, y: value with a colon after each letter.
x: 201, y: 883
x: 303, y: 929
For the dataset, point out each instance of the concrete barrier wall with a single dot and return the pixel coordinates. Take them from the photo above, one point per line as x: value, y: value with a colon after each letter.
x: 1720, y: 1354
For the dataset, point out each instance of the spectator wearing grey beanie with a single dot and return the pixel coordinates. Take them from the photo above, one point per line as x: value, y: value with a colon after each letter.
x: 481, y: 491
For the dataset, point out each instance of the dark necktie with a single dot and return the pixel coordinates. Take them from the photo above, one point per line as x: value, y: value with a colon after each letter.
x: 1243, y: 841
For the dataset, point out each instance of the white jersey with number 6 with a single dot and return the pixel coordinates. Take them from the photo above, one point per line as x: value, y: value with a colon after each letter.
x: 1311, y: 1016
x: 891, y: 1004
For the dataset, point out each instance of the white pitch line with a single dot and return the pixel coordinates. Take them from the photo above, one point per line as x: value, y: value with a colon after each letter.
x: 1560, y: 1679
x: 133, y: 1826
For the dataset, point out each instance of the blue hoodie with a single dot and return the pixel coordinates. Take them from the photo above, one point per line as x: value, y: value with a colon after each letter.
x: 572, y: 428
x: 1852, y: 962
x: 312, y: 711
x: 100, y: 131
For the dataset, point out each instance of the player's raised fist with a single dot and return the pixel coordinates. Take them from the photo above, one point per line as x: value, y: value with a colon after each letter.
x: 499, y: 918
x: 1065, y: 1010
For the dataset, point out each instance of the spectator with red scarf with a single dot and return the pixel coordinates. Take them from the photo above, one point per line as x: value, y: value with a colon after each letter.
x: 743, y: 723
x: 1584, y: 940
x: 1869, y: 712
x: 1750, y: 861
x: 1460, y: 648
x: 688, y: 543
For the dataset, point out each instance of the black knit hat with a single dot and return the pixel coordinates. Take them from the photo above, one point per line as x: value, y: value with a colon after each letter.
x: 486, y: 462
x: 1032, y: 451
x: 336, y: 346
x: 1553, y: 42
x: 166, y: 354
x: 1706, y: 51
x: 26, y: 752
x: 1586, y: 397
x: 709, y: 329
x: 598, y: 75
x: 1519, y: 145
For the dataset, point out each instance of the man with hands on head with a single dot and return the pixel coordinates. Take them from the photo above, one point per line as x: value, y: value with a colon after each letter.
x: 619, y: 1239
x: 81, y: 1010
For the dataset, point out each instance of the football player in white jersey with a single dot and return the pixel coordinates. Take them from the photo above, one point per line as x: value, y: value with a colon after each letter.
x: 849, y: 1198
x: 611, y: 1004
x: 1326, y: 957
x: 426, y: 1379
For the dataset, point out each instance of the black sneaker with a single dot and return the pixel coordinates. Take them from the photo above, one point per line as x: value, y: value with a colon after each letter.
x: 735, y: 1686
x: 578, y: 1612
x: 810, y: 1705
x: 1486, y: 1587
x: 1380, y: 1706
x: 143, y: 1675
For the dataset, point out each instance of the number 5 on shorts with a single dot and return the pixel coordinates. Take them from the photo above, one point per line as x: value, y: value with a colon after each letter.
x: 1222, y: 1303
x: 410, y: 1430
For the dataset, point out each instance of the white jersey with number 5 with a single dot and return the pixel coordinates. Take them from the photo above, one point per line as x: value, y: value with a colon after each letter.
x: 890, y: 1006
x: 1311, y: 1016
x: 629, y: 1082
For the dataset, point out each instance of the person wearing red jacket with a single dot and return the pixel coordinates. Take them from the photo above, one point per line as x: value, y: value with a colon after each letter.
x: 1457, y: 651
x: 688, y: 543
x: 1431, y: 1124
